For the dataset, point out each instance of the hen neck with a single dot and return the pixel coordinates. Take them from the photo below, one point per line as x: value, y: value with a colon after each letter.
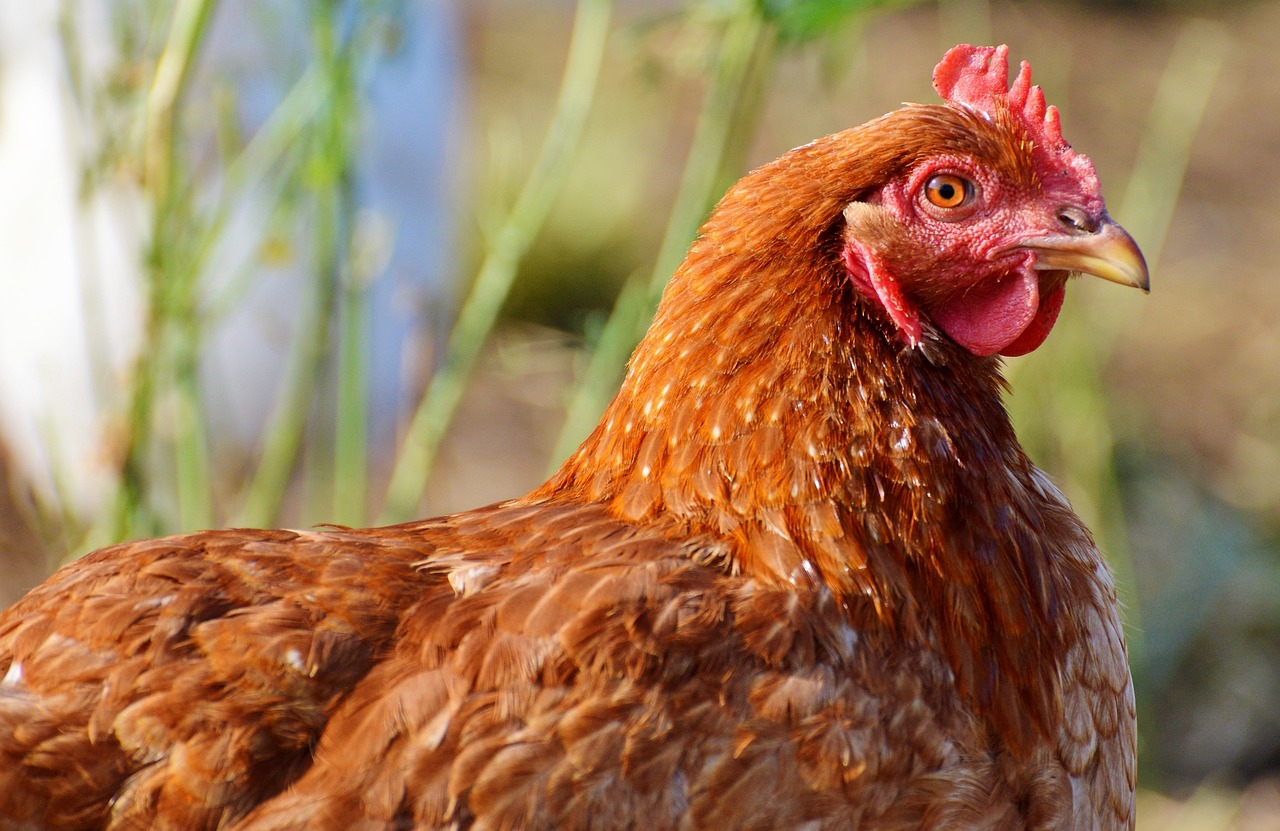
x: 778, y: 414
x: 777, y: 410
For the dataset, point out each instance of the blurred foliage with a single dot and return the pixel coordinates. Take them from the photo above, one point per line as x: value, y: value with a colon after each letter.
x: 297, y: 168
x: 803, y: 20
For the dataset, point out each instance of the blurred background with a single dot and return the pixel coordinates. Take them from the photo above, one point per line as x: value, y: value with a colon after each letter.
x: 364, y: 260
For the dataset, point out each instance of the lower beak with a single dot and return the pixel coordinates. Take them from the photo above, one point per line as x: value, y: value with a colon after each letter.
x: 1109, y: 253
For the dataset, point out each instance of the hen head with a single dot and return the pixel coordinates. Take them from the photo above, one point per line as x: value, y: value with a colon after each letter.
x: 977, y: 232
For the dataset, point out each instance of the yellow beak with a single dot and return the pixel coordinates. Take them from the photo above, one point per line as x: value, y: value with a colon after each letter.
x: 1109, y: 253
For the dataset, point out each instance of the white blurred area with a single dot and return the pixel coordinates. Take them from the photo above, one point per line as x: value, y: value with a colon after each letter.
x: 70, y: 311
x: 72, y: 274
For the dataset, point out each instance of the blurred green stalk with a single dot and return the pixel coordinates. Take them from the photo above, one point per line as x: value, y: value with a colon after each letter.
x: 505, y: 249
x: 169, y: 356
x: 327, y: 171
x: 1176, y: 115
x: 1063, y: 413
x: 1148, y: 206
x: 258, y: 167
x: 351, y: 426
x: 730, y: 108
x: 173, y: 72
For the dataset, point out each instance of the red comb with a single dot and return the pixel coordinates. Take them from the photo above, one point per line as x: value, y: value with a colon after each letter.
x: 977, y: 77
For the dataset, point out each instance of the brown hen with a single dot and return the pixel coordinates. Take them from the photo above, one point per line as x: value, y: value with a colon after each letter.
x: 802, y: 576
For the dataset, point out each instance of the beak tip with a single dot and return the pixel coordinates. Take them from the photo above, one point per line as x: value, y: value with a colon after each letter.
x: 1142, y: 277
x: 1119, y: 251
x: 1109, y: 253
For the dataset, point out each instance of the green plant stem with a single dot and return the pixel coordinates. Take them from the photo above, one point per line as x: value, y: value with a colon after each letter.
x: 1147, y: 208
x: 191, y: 451
x: 729, y: 109
x: 288, y: 421
x: 259, y: 166
x: 1173, y: 122
x: 173, y: 273
x: 173, y: 72
x: 351, y: 429
x: 1065, y: 409
x: 251, y: 168
x: 169, y: 313
x: 501, y: 260
x: 350, y: 448
x: 328, y: 165
x: 721, y: 124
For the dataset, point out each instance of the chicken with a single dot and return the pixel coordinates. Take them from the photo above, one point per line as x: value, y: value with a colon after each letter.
x: 801, y: 576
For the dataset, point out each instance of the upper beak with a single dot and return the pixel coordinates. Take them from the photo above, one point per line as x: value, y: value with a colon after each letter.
x: 1108, y: 252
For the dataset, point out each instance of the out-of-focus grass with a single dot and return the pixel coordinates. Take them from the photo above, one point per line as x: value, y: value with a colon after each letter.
x: 503, y: 253
x: 299, y: 161
x: 1059, y: 401
x: 172, y: 339
x: 730, y: 107
x: 325, y: 171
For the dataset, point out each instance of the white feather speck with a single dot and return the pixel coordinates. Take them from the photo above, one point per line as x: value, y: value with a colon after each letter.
x: 293, y: 658
x: 13, y: 677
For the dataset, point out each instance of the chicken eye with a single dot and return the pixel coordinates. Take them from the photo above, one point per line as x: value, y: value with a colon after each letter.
x: 946, y: 190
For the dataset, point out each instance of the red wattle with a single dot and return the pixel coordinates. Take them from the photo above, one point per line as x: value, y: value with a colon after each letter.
x: 992, y: 317
x: 1041, y: 325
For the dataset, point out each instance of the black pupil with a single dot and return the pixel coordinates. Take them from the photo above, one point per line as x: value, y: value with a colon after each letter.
x: 947, y: 191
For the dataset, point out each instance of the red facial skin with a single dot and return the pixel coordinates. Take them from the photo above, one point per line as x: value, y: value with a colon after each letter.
x: 973, y: 266
x: 981, y: 287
